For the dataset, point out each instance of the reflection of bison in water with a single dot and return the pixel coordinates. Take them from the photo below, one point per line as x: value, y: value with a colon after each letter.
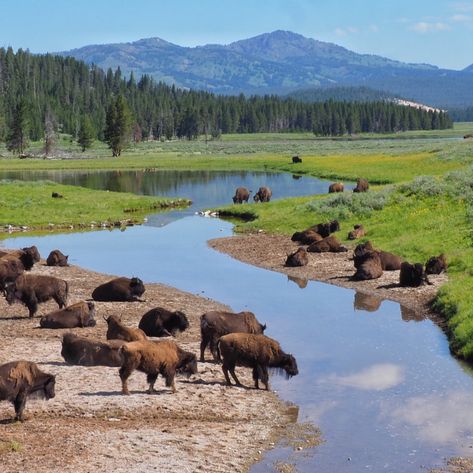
x: 436, y: 264
x: 33, y: 289
x: 117, y: 331
x: 298, y: 258
x: 257, y: 352
x: 357, y: 232
x: 296, y: 159
x: 80, y: 314
x: 264, y: 194
x: 241, y: 195
x: 160, y: 322
x: 119, y: 290
x: 163, y: 358
x: 86, y: 352
x: 366, y: 302
x: 301, y: 282
x: 412, y: 275
x: 361, y: 185
x: 336, y: 187
x: 214, y: 324
x: 328, y: 244
x: 57, y: 258
x: 21, y: 379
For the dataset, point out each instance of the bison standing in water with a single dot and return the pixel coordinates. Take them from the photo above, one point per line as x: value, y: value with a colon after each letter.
x: 21, y: 379
x: 80, y: 314
x: 242, y: 194
x: 57, y: 258
x: 254, y: 351
x: 163, y: 358
x: 336, y: 187
x: 119, y: 290
x: 160, y: 322
x: 264, y: 194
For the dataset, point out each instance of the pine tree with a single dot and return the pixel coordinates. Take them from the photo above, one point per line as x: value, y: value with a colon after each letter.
x: 86, y: 134
x: 50, y: 135
x: 118, y: 124
x: 17, y: 139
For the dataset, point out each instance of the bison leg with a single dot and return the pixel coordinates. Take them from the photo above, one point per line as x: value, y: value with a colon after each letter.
x: 32, y: 307
x: 60, y: 301
x: 170, y: 380
x: 225, y: 373
x: 125, y: 373
x: 151, y: 380
x: 263, y: 374
x: 19, y: 403
x: 255, y: 377
x: 234, y: 376
x: 203, y: 346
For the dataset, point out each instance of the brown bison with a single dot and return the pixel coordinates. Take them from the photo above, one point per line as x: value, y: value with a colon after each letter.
x: 56, y: 195
x: 160, y: 322
x: 28, y: 256
x: 306, y: 237
x: 56, y: 258
x: 80, y: 314
x: 436, y: 264
x: 163, y: 358
x: 412, y: 275
x: 296, y: 159
x: 389, y: 261
x: 357, y: 232
x: 298, y: 258
x: 368, y: 266
x: 336, y: 187
x: 21, y: 379
x: 86, y: 352
x: 10, y: 269
x: 254, y: 351
x: 214, y: 324
x: 120, y: 290
x: 264, y: 194
x: 361, y: 185
x: 33, y: 289
x: 328, y: 244
x: 241, y: 195
x: 322, y: 229
x: 366, y: 302
x: 117, y: 331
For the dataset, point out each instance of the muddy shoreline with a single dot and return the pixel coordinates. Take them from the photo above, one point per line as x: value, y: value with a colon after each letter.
x: 90, y: 426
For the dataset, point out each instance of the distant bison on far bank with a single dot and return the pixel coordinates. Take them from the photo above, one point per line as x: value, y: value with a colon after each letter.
x: 242, y: 194
x: 160, y: 322
x: 119, y: 290
x: 336, y: 187
x: 56, y: 258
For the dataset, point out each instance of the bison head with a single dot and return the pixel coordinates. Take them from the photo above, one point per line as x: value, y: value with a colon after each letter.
x: 334, y: 226
x: 182, y: 321
x: 256, y: 197
x: 33, y: 251
x: 234, y: 198
x: 289, y: 365
x: 187, y: 364
x: 49, y: 392
x: 137, y: 287
x: 91, y: 307
x: 11, y: 293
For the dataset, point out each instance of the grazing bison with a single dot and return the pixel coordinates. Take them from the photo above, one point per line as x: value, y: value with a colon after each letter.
x: 412, y: 275
x: 366, y: 302
x: 298, y: 258
x: 328, y: 244
x: 214, y: 324
x: 357, y: 232
x: 76, y: 315
x: 361, y: 185
x: 296, y: 159
x: 56, y: 258
x: 33, y: 289
x: 117, y: 331
x: 336, y: 187
x: 21, y: 379
x: 254, y: 351
x: 160, y: 322
x: 264, y: 194
x: 368, y: 266
x: 120, y: 290
x: 436, y: 264
x: 86, y: 352
x: 163, y: 358
x: 10, y: 269
x: 56, y: 195
x: 241, y: 195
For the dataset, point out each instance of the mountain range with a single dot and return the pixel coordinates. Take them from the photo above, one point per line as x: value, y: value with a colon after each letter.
x: 279, y: 63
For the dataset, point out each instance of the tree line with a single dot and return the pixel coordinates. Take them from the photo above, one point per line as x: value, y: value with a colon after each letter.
x: 43, y: 93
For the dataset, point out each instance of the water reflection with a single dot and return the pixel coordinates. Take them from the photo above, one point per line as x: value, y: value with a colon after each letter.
x: 301, y: 282
x: 368, y: 302
x: 408, y: 314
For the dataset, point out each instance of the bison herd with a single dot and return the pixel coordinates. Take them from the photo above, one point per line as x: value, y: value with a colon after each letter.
x: 242, y: 194
x: 233, y: 339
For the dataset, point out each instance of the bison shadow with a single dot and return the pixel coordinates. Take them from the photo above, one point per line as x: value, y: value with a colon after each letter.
x: 132, y: 393
x: 389, y: 286
x: 54, y: 363
x: 202, y: 381
x: 11, y: 420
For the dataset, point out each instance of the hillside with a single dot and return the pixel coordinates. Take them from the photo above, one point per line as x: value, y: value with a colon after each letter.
x: 280, y: 62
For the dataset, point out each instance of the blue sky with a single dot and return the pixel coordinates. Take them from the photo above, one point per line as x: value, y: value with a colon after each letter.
x: 438, y: 32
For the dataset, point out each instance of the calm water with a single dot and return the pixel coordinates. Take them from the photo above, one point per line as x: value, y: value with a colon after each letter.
x: 381, y: 385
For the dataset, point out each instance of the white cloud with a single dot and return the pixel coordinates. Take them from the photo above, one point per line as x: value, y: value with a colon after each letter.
x: 424, y: 27
x: 463, y: 6
x: 340, y: 32
x: 461, y: 18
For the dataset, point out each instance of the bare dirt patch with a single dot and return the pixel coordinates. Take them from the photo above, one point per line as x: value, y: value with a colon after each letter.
x: 90, y: 426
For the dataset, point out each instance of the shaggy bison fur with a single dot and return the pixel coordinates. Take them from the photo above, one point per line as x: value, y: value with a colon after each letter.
x: 264, y: 194
x: 163, y: 358
x: 412, y: 275
x: 242, y: 194
x: 361, y: 185
x: 21, y: 379
x: 328, y: 244
x: 28, y: 256
x: 436, y: 264
x: 80, y: 315
x: 298, y: 258
x: 33, y: 289
x: 160, y: 322
x: 257, y: 352
x: 86, y: 352
x: 56, y: 258
x: 117, y: 331
x: 368, y: 266
x: 214, y: 324
x: 306, y: 237
x: 389, y: 261
x: 336, y: 187
x: 10, y: 269
x: 119, y: 290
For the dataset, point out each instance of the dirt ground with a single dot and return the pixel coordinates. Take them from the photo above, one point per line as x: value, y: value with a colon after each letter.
x: 89, y: 426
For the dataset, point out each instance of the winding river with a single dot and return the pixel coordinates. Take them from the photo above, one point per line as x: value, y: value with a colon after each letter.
x: 381, y: 384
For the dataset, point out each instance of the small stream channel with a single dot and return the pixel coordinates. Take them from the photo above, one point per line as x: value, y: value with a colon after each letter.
x: 381, y: 384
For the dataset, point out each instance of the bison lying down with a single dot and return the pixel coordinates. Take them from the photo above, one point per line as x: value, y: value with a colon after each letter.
x: 436, y: 264
x: 214, y: 324
x: 57, y: 258
x: 160, y: 322
x: 32, y: 289
x: 327, y: 244
x: 119, y: 290
x: 254, y: 351
x: 86, y: 352
x: 21, y: 379
x: 80, y: 314
x: 412, y: 275
x: 153, y: 358
x: 28, y: 256
x: 117, y: 331
x: 298, y: 258
x: 323, y: 229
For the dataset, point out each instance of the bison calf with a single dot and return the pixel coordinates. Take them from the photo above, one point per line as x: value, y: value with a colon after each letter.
x: 56, y: 258
x: 117, y: 331
x: 357, y: 232
x: 163, y: 358
x: 80, y: 314
x: 254, y: 351
x: 21, y: 379
x: 298, y: 258
x: 160, y: 322
x: 119, y: 290
x: 436, y: 264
